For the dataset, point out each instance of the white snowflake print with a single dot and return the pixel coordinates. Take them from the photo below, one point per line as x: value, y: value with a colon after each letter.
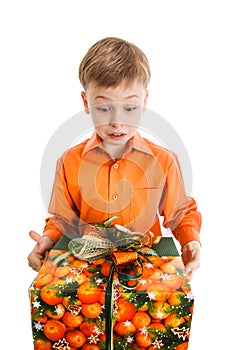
x: 36, y: 304
x: 58, y: 310
x: 151, y: 295
x: 68, y: 280
x: 98, y: 281
x: 93, y: 338
x: 97, y: 330
x: 129, y: 339
x: 143, y: 330
x: 38, y: 326
x: 190, y: 296
x: 159, y: 315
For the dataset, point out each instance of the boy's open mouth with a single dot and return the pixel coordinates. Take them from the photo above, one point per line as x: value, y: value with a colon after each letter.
x: 117, y: 135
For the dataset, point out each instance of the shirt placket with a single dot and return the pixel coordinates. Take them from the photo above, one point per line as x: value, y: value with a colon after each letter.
x: 113, y: 181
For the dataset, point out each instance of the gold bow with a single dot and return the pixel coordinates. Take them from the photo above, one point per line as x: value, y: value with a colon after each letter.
x: 92, y: 246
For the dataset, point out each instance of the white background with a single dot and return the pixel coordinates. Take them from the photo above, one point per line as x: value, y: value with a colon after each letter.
x: 189, y: 46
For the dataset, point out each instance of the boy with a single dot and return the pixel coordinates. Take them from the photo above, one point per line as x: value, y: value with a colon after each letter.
x: 116, y: 171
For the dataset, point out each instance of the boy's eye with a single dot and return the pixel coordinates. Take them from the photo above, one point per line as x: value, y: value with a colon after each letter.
x: 125, y: 108
x: 131, y: 108
x: 103, y: 109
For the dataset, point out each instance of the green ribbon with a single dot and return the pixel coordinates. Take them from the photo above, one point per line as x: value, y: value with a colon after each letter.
x: 109, y: 310
x: 109, y: 294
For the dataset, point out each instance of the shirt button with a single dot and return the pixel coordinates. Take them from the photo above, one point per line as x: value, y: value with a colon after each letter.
x: 114, y: 197
x: 115, y: 166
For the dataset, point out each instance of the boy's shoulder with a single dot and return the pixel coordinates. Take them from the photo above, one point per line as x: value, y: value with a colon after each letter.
x: 75, y: 151
x: 158, y: 150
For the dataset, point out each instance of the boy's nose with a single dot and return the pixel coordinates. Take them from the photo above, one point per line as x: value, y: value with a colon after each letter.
x: 116, y: 116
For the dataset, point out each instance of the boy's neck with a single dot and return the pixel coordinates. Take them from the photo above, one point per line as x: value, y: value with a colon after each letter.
x: 115, y: 151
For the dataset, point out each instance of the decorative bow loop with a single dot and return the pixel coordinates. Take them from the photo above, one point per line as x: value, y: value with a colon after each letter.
x: 123, y: 258
x: 92, y: 246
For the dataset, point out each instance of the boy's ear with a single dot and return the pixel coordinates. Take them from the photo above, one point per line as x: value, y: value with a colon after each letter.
x: 85, y: 102
x: 145, y: 100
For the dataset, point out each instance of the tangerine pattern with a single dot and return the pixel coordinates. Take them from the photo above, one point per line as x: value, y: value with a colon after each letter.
x: 68, y: 306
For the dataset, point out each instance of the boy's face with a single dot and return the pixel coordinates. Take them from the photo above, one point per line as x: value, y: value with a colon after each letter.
x: 115, y: 110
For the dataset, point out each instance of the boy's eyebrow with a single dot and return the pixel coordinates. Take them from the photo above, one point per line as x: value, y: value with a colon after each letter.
x: 108, y: 98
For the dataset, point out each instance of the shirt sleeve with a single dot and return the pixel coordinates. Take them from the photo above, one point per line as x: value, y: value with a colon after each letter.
x: 179, y: 211
x: 64, y: 214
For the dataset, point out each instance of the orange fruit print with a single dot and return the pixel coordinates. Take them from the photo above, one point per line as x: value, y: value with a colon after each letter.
x: 88, y: 294
x: 71, y: 320
x: 91, y: 310
x: 68, y: 310
x: 123, y: 328
x: 125, y: 311
x: 75, y: 338
x: 54, y: 330
x: 88, y: 328
x: 50, y: 293
x: 141, y: 319
x: 41, y: 344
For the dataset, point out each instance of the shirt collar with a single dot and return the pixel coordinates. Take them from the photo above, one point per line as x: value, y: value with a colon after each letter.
x: 139, y: 143
x: 136, y: 142
x: 93, y: 142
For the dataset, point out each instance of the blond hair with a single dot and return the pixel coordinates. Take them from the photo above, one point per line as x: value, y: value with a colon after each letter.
x: 111, y: 60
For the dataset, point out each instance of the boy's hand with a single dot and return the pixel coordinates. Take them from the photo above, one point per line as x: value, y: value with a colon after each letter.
x: 191, y: 257
x: 36, y: 257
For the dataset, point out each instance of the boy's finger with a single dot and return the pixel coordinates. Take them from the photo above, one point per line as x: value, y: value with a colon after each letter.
x: 187, y: 256
x: 191, y: 267
x: 190, y: 252
x: 189, y: 271
x: 35, y: 236
x: 35, y: 265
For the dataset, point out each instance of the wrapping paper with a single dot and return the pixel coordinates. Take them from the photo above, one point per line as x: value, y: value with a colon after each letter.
x: 86, y: 305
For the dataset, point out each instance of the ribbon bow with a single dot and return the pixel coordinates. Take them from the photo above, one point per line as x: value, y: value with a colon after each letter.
x: 124, y: 250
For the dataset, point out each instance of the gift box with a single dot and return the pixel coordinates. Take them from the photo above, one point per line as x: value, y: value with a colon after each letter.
x: 143, y: 303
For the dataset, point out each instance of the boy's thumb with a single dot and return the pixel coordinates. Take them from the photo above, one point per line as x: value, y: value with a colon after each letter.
x: 35, y: 236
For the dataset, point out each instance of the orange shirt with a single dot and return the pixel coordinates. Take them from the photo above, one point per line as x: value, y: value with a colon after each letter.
x: 144, y: 184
